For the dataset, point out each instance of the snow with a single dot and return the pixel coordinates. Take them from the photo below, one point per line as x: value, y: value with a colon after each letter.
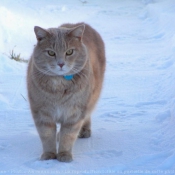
x: 134, y: 122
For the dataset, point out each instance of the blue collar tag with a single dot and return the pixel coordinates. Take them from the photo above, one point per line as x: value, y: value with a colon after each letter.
x: 68, y: 77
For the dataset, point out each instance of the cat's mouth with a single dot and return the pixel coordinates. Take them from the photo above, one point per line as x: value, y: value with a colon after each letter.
x: 57, y: 71
x: 64, y: 70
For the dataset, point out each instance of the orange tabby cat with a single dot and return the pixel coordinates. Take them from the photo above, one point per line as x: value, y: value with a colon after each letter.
x: 64, y: 78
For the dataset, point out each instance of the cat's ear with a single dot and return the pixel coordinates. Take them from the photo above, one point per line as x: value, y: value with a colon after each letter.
x: 77, y: 32
x: 40, y: 33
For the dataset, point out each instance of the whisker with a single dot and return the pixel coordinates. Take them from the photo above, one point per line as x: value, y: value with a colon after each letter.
x: 40, y: 75
x: 80, y: 74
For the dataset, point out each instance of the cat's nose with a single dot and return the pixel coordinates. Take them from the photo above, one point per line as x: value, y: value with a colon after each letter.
x: 61, y: 65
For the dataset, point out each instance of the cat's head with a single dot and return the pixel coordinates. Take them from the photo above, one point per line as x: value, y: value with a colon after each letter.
x: 60, y: 51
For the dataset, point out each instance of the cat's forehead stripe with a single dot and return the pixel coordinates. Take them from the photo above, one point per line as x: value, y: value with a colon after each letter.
x: 59, y: 41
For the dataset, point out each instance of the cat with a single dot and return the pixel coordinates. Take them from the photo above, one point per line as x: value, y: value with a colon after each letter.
x: 64, y: 81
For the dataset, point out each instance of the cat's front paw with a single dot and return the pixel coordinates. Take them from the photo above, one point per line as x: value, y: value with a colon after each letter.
x: 48, y: 155
x: 84, y: 133
x: 64, y: 157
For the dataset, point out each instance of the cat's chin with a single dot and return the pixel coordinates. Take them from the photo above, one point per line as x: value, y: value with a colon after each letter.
x: 62, y: 73
x: 56, y: 74
x: 53, y: 73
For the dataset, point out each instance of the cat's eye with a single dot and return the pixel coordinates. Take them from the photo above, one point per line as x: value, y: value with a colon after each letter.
x: 51, y: 53
x: 69, y: 52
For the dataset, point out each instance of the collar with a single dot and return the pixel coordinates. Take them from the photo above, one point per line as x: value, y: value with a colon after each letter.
x: 68, y: 77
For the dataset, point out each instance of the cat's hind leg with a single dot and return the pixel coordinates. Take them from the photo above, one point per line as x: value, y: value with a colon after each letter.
x: 85, y: 131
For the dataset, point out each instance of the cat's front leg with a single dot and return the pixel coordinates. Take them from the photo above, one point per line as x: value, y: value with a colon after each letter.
x: 67, y: 136
x: 47, y: 133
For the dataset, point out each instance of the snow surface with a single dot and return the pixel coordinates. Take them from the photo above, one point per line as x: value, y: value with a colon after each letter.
x: 134, y: 122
